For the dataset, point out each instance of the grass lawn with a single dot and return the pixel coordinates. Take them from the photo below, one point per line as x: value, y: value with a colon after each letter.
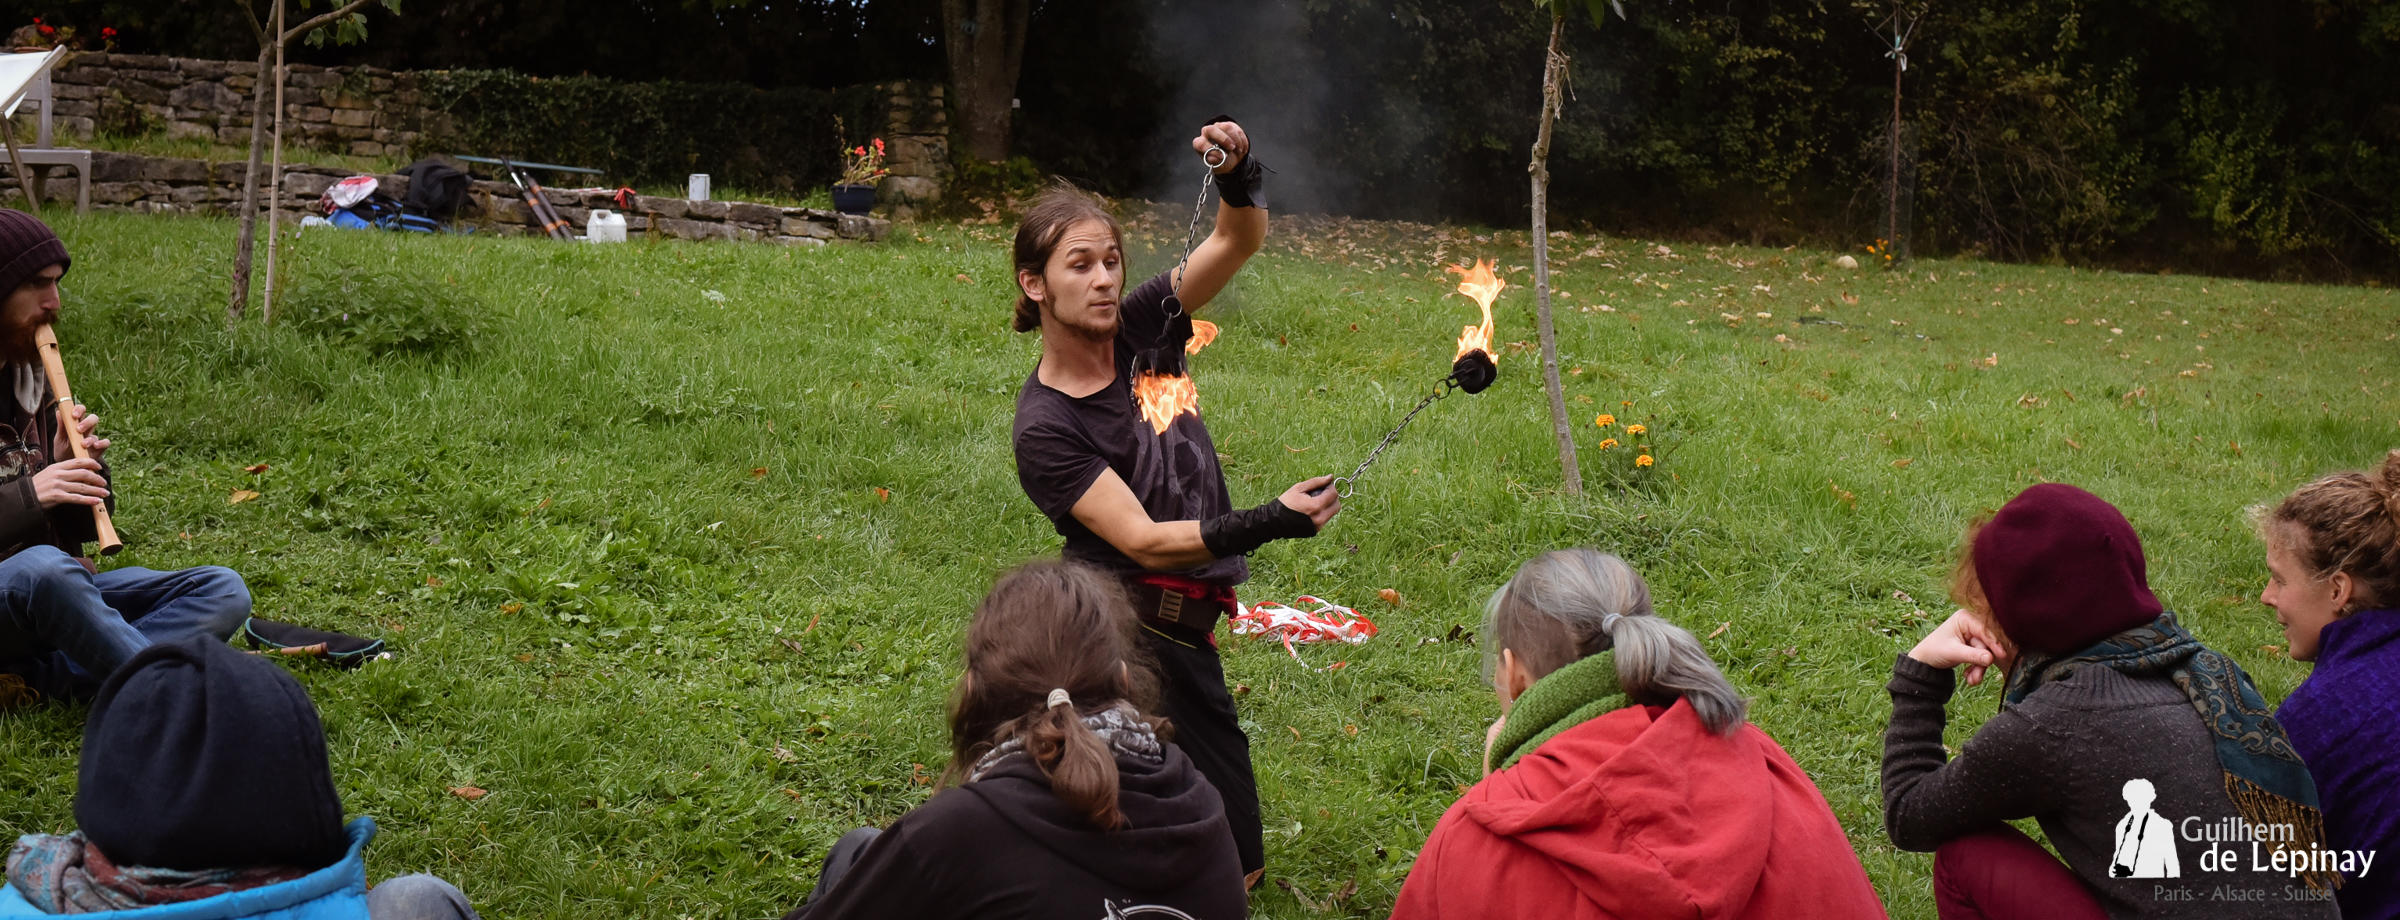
x: 675, y: 542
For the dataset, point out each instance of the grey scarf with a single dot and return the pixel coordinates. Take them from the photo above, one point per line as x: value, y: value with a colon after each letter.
x: 1120, y: 725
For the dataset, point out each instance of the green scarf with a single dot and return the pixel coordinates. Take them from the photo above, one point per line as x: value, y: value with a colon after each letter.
x: 2263, y: 775
x: 1565, y: 698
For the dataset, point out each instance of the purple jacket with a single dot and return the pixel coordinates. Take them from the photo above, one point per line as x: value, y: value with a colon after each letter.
x: 2345, y: 722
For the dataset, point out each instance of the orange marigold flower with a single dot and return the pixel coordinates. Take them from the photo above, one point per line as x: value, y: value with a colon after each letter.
x: 1607, y: 443
x: 1604, y: 420
x: 1637, y: 429
x: 1643, y: 460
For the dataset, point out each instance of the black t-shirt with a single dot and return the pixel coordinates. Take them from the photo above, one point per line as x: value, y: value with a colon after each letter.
x: 1063, y: 443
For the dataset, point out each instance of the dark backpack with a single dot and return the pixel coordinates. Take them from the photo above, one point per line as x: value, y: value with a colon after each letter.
x: 435, y: 190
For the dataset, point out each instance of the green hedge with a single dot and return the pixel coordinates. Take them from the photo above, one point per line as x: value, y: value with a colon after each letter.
x: 779, y: 140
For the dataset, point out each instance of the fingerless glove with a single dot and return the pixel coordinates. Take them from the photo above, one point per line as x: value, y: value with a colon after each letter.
x: 1240, y: 532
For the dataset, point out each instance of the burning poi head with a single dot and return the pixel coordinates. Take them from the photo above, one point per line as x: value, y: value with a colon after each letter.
x: 1476, y: 367
x: 1162, y: 381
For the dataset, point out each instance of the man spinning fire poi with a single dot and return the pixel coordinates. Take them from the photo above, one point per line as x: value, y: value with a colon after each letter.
x: 1110, y: 446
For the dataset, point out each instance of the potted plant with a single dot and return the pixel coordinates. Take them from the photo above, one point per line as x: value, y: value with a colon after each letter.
x: 862, y: 166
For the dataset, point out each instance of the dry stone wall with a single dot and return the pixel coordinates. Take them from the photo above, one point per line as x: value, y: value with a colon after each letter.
x: 369, y: 111
x: 169, y: 185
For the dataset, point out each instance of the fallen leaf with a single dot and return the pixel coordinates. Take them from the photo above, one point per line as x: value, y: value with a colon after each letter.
x: 525, y: 657
x: 882, y: 494
x: 1721, y: 628
x: 795, y: 794
x: 469, y: 793
x: 1902, y: 463
x: 1338, y: 665
x: 961, y: 277
x: 511, y: 608
x: 1351, y: 730
x: 789, y: 643
x: 812, y: 624
x: 1389, y: 596
x: 1241, y: 689
x: 239, y: 496
x: 432, y: 582
x: 785, y: 754
x: 255, y: 468
x: 1294, y: 730
x: 1348, y: 888
x: 758, y: 472
x: 2071, y: 443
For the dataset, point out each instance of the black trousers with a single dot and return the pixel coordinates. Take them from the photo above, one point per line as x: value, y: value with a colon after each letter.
x: 1192, y: 695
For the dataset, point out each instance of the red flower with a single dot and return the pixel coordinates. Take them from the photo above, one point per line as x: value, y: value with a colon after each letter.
x: 107, y: 32
x: 858, y: 151
x: 37, y: 20
x: 47, y: 30
x: 879, y: 145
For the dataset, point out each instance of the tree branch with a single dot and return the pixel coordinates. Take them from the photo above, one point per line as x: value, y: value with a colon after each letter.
x: 257, y: 28
x: 311, y: 25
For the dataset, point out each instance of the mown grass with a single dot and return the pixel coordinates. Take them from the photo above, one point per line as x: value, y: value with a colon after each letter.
x: 622, y: 510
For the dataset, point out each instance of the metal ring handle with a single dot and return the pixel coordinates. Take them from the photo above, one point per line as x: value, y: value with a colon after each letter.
x: 1341, y: 486
x: 1215, y: 156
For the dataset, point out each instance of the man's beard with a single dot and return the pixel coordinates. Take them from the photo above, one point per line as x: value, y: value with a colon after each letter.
x: 1089, y: 330
x: 16, y: 343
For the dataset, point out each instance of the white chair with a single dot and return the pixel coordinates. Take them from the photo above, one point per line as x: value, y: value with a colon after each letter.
x: 25, y: 78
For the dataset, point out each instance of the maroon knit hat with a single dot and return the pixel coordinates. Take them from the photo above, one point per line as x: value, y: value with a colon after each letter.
x: 2063, y: 570
x: 26, y: 246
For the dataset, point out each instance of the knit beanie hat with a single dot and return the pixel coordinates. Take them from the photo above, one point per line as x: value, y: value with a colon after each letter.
x: 197, y: 756
x: 2062, y: 570
x: 26, y: 246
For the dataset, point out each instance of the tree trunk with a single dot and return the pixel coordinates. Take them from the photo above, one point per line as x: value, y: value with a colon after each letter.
x: 1554, y: 75
x: 270, y: 41
x: 266, y: 302
x: 243, y: 241
x: 984, y: 41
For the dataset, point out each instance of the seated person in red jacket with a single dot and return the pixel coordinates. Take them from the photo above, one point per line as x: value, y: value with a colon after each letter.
x: 1623, y: 781
x: 2139, y: 750
x: 1065, y: 798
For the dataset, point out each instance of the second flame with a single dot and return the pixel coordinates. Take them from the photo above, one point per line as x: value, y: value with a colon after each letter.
x: 1478, y: 282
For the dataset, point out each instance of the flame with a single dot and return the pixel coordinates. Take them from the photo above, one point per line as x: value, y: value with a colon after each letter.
x: 1203, y: 332
x: 1479, y: 283
x: 1162, y: 397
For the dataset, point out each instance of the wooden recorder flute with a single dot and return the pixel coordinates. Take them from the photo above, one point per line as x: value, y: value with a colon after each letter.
x: 47, y: 341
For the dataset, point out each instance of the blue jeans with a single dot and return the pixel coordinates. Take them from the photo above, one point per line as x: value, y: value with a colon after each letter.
x: 64, y: 629
x: 418, y: 897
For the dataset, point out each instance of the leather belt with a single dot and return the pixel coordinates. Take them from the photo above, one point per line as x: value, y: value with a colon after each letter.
x: 1168, y: 605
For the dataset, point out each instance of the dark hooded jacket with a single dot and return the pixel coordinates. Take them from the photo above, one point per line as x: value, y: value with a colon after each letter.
x: 1004, y: 846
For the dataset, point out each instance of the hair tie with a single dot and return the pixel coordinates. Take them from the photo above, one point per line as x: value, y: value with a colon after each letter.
x: 1059, y: 698
x: 1608, y: 624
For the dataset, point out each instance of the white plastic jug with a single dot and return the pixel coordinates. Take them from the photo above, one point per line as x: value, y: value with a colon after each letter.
x: 696, y: 187
x: 605, y: 226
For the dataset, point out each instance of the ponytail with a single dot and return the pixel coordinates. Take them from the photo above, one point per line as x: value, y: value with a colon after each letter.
x: 1050, y: 634
x: 1659, y: 662
x: 1572, y: 604
x: 1082, y: 770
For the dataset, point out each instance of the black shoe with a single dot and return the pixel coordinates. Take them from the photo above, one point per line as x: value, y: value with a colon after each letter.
x: 286, y: 639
